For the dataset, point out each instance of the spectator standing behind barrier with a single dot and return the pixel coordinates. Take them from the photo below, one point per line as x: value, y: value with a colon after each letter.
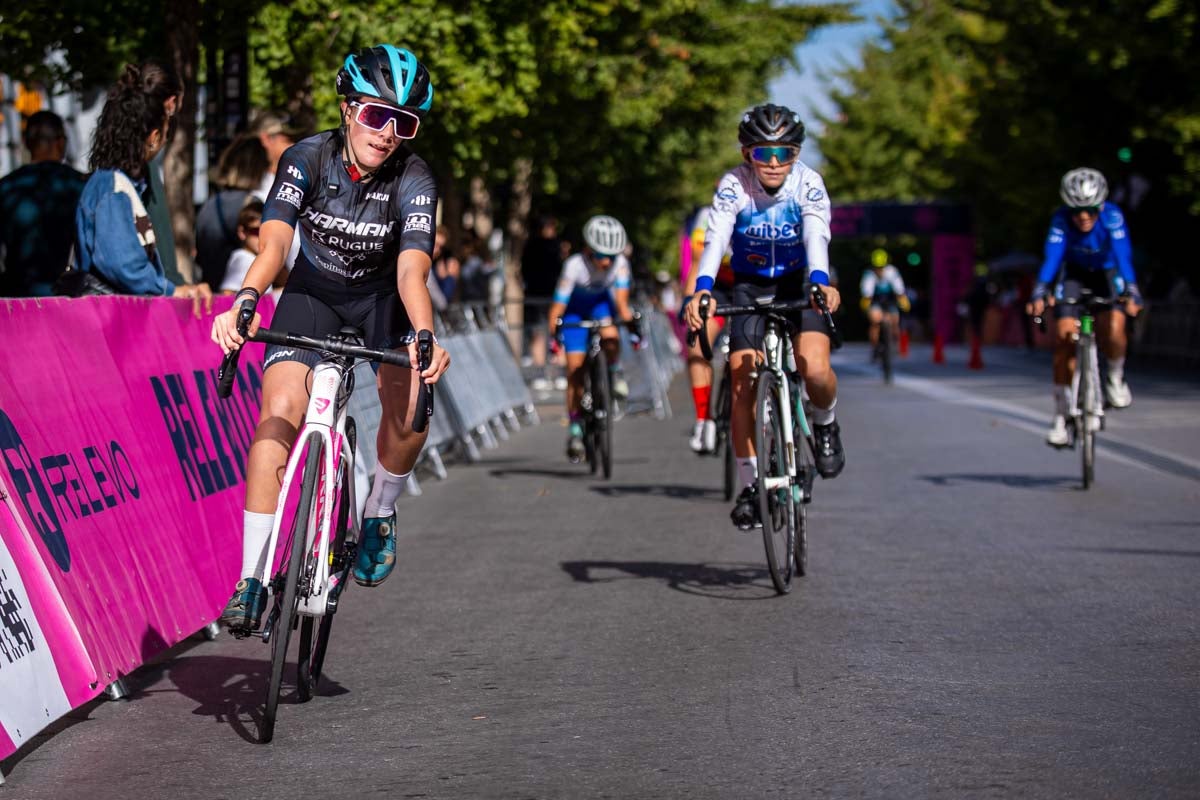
x: 481, y: 282
x: 446, y: 266
x: 116, y: 239
x: 541, y: 263
x: 248, y: 223
x: 37, y: 205
x: 240, y: 172
x: 161, y: 85
x: 275, y: 136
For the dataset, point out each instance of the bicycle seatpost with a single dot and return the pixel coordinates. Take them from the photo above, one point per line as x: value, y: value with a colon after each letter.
x: 424, y: 391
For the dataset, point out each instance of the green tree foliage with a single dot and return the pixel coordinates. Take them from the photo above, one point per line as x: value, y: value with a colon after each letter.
x: 627, y: 106
x: 990, y: 101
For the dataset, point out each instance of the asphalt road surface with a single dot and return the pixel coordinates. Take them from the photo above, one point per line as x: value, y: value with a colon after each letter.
x: 973, y: 625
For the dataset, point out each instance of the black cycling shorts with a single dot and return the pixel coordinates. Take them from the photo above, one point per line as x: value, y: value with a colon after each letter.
x: 309, y: 311
x: 1076, y: 279
x: 746, y: 330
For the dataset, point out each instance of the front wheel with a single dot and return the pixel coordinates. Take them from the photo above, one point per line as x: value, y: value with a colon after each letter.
x: 311, y: 658
x: 1088, y: 407
x: 602, y: 412
x: 885, y: 349
x: 284, y: 612
x: 777, y: 504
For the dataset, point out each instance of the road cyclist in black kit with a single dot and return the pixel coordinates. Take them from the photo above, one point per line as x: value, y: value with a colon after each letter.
x: 365, y: 206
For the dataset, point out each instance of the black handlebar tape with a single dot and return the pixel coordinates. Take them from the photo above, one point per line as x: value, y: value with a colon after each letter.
x: 226, y: 374
x: 424, y: 391
x: 705, y: 344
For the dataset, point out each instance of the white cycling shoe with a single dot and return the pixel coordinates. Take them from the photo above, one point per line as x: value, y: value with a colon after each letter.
x: 1118, y: 393
x: 620, y: 388
x: 1058, y: 436
x: 704, y: 436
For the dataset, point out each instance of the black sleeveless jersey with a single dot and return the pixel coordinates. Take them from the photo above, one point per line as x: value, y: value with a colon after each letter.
x: 352, y: 232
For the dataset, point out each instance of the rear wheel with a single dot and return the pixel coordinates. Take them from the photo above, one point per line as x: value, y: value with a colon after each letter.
x: 284, y: 612
x: 602, y: 411
x: 589, y: 423
x: 776, y: 501
x: 724, y: 404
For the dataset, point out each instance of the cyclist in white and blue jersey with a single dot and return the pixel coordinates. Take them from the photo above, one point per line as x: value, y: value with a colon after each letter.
x: 1087, y: 248
x: 774, y: 212
x: 593, y: 285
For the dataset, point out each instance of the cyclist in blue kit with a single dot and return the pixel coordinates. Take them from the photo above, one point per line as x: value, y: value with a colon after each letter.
x: 364, y: 206
x: 593, y: 285
x: 774, y: 213
x: 1087, y: 247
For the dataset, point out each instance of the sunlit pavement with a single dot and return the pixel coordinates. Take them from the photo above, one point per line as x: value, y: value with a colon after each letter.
x: 973, y: 625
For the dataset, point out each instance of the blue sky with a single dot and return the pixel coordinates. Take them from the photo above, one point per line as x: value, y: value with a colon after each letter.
x: 821, y: 55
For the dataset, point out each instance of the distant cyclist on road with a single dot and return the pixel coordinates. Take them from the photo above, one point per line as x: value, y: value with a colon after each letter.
x: 882, y: 296
x: 365, y: 207
x: 1087, y: 248
x: 774, y: 212
x: 699, y: 369
x: 593, y: 285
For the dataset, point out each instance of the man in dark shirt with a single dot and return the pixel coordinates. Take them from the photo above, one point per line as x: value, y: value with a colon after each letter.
x: 37, y: 212
x: 541, y: 262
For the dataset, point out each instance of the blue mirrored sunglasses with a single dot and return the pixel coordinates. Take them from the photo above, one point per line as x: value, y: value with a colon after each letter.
x: 784, y: 154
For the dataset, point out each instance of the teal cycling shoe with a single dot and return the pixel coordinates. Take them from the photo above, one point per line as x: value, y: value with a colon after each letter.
x: 376, y: 551
x: 243, y: 612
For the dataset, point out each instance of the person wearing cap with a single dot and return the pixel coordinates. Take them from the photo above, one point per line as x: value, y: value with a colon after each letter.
x: 276, y: 136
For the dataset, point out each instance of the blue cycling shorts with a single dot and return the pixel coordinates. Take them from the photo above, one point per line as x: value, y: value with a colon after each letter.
x: 582, y: 307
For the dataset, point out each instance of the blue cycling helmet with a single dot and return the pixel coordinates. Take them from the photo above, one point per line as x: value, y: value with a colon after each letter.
x: 392, y: 74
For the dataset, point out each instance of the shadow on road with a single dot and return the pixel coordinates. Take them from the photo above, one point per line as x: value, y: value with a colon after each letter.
x: 719, y: 581
x: 232, y: 690
x: 569, y: 473
x: 1136, y: 551
x: 658, y: 490
x: 1015, y: 481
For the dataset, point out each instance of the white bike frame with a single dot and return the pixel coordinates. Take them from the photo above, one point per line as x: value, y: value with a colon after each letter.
x: 324, y: 423
x: 774, y: 354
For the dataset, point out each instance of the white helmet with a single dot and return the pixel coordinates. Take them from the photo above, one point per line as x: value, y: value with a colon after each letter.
x: 1083, y: 187
x: 605, y: 234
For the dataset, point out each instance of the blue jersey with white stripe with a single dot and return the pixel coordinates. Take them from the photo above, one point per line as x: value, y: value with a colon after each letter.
x: 1105, y: 247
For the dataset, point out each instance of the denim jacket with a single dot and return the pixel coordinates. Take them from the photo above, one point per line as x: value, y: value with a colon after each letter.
x: 108, y: 240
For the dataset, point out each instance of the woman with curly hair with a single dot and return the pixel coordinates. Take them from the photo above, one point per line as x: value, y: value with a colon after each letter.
x: 116, y: 243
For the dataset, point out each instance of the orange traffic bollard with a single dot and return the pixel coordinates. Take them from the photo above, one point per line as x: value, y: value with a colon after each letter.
x: 904, y: 344
x: 939, y: 357
x: 976, y: 361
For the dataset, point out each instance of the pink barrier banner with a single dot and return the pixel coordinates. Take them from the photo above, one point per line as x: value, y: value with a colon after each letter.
x: 121, y: 490
x: 953, y: 273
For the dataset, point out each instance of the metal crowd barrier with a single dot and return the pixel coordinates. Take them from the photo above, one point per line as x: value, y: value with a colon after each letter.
x: 477, y: 403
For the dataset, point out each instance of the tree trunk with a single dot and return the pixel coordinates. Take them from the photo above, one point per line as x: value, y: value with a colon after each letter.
x: 517, y: 229
x: 183, y: 32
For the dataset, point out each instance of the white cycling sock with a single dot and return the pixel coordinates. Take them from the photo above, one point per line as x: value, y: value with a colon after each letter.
x: 388, y: 486
x: 824, y: 416
x: 256, y: 534
x: 1062, y: 400
x: 1116, y: 369
x: 747, y: 471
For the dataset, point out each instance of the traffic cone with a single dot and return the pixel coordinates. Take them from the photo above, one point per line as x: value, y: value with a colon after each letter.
x: 976, y: 361
x: 904, y: 344
x: 939, y: 357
